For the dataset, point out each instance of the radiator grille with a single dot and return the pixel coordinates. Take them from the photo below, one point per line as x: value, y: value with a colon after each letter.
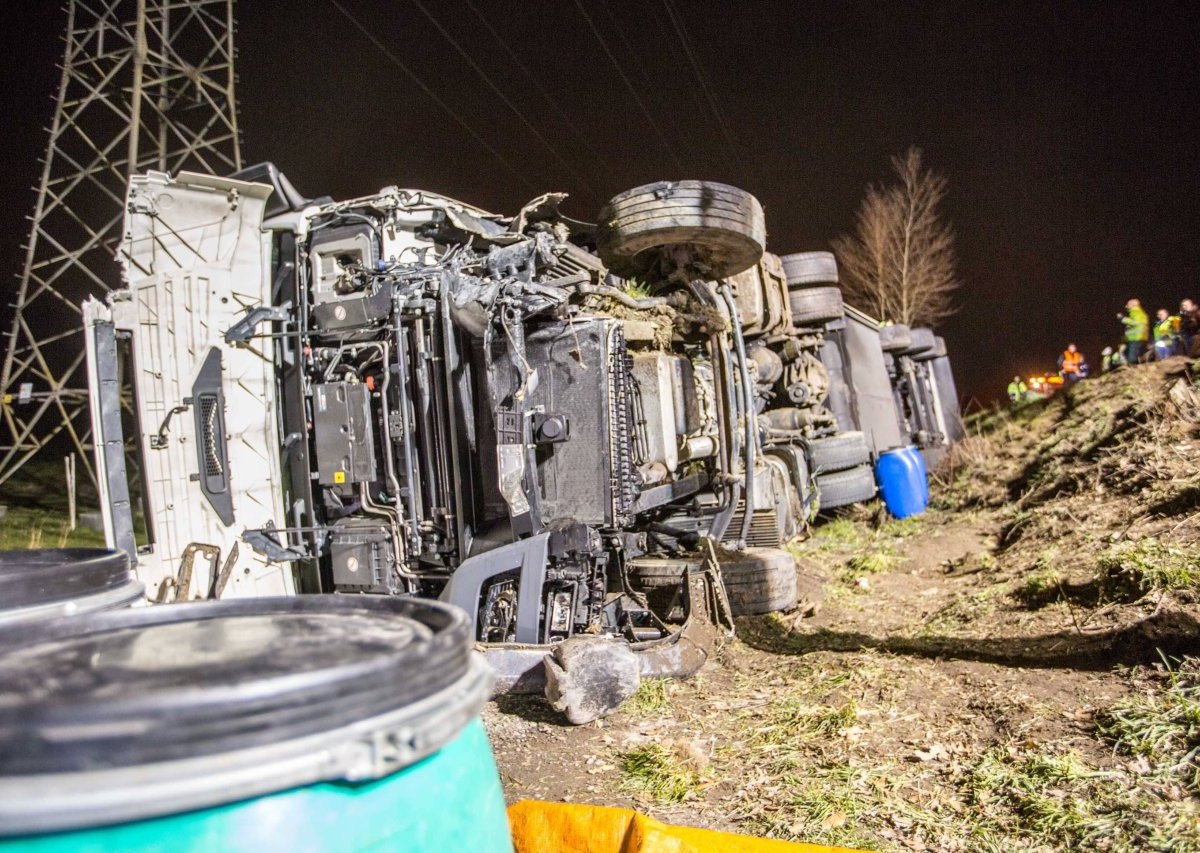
x: 764, y: 527
x: 574, y: 261
x: 214, y: 465
x: 622, y: 473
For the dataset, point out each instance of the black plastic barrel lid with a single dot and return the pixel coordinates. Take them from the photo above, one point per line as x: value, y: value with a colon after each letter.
x: 158, y: 683
x: 46, y: 575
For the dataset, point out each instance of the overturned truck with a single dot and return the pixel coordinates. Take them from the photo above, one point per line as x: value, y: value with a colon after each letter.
x: 590, y: 433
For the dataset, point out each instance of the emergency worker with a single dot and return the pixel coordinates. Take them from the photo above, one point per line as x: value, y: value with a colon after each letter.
x: 1017, y: 389
x: 1189, y: 327
x: 1137, y: 330
x: 1070, y: 364
x: 1166, y: 333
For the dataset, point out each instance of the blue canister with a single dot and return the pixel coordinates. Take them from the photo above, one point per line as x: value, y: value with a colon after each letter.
x: 903, y: 482
x: 919, y: 459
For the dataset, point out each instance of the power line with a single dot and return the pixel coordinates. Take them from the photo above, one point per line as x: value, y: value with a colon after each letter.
x: 395, y: 60
x: 673, y: 14
x: 507, y: 102
x: 620, y: 31
x: 632, y: 91
x: 533, y: 78
x: 667, y: 38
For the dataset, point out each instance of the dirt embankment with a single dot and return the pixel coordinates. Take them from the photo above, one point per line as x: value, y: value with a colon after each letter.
x: 1011, y: 671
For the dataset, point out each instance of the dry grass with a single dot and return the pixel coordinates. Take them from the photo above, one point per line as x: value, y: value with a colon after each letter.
x: 658, y: 772
x: 31, y: 527
x: 1161, y: 724
x: 1151, y: 565
x: 1019, y: 794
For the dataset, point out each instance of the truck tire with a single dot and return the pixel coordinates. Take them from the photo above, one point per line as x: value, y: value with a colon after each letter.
x: 814, y: 306
x: 722, y: 225
x: 759, y: 580
x: 843, y: 488
x: 838, y: 452
x: 895, y: 338
x: 804, y: 268
x: 922, y: 341
x: 937, y: 351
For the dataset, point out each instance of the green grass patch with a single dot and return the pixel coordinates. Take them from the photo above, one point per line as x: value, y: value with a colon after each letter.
x: 902, y: 528
x: 1040, y: 586
x: 1030, y: 792
x: 656, y: 771
x: 1058, y: 801
x: 794, y: 730
x: 868, y: 563
x: 856, y: 548
x: 834, y: 804
x: 1162, y: 725
x: 652, y: 696
x: 33, y: 527
x: 873, y: 562
x: 793, y: 720
x: 636, y: 289
x: 1148, y: 565
x: 840, y: 533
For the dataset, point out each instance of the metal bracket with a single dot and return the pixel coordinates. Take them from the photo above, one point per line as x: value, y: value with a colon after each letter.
x: 264, y: 542
x: 526, y: 555
x: 243, y: 330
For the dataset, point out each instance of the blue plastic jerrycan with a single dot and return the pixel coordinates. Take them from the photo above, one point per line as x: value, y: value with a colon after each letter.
x: 903, y: 481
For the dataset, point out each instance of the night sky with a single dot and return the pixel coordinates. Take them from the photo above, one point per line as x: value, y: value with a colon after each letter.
x: 1068, y: 131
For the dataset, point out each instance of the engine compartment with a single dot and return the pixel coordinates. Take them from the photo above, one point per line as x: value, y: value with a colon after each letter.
x: 556, y: 426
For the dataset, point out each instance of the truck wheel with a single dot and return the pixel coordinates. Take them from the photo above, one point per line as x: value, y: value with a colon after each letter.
x: 843, y: 488
x: 922, y: 341
x: 838, y: 452
x: 895, y: 338
x: 722, y: 227
x: 805, y: 268
x: 759, y: 580
x: 937, y: 351
x: 812, y: 306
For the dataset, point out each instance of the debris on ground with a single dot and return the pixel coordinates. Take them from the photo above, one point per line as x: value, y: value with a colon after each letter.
x: 1016, y: 669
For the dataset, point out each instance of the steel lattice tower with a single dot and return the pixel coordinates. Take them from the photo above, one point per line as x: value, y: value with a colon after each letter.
x: 146, y: 84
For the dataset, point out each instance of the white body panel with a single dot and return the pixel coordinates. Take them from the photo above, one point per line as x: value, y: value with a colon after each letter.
x: 195, y: 260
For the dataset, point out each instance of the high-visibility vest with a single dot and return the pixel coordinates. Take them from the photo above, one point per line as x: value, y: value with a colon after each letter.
x: 1166, y: 329
x: 1071, y: 361
x: 1137, y: 325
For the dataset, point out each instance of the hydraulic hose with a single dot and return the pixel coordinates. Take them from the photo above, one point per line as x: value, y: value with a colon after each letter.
x: 637, y: 303
x: 748, y: 406
x: 727, y: 415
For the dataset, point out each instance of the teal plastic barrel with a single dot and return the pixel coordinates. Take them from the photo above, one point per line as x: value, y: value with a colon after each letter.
x: 316, y: 723
x: 43, y: 583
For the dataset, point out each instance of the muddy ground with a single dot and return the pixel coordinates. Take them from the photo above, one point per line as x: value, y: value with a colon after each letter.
x: 1013, y: 670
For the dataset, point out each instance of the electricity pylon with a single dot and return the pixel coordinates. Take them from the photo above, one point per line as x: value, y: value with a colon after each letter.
x: 146, y: 84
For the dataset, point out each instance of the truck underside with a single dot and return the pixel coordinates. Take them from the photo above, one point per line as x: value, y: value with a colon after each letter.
x: 567, y: 430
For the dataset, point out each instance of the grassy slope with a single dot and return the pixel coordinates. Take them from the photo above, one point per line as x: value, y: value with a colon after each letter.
x: 36, y: 498
x: 1012, y: 671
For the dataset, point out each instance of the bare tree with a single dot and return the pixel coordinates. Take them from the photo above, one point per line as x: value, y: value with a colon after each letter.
x: 899, y: 261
